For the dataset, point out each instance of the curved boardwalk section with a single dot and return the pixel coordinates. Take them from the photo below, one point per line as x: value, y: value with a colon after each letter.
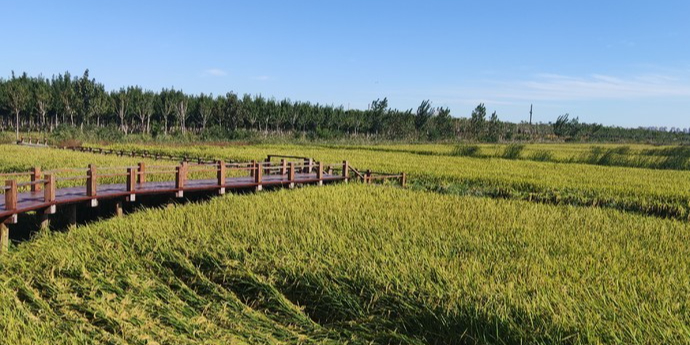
x: 44, y: 191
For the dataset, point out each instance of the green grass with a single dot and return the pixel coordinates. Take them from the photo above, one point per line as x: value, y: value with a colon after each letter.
x: 353, y: 264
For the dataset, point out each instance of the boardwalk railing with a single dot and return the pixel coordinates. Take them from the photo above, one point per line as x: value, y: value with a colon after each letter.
x: 308, y: 164
x: 41, y: 191
x: 32, y: 141
x: 142, y: 154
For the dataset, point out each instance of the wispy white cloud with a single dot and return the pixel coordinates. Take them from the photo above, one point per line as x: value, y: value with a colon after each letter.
x: 472, y: 101
x: 595, y: 86
x: 215, y: 72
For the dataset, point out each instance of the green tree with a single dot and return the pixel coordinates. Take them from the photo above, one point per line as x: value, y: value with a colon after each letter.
x: 444, y: 122
x: 181, y: 107
x: 493, y: 128
x: 205, y: 109
x: 121, y: 107
x: 564, y: 126
x: 167, y: 103
x: 16, y: 93
x: 377, y: 111
x: 86, y: 90
x: 142, y: 104
x: 478, y: 121
x: 42, y: 97
x: 424, y: 113
x: 65, y: 91
x: 100, y: 103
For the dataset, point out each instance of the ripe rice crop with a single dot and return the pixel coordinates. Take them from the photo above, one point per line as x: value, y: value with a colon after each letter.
x: 657, y: 192
x: 353, y: 264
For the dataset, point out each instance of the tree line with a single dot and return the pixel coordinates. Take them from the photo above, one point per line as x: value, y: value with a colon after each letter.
x: 40, y: 104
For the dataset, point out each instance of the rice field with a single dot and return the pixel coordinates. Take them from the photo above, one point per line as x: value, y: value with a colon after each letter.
x: 353, y: 263
x: 660, y: 192
x: 446, y: 261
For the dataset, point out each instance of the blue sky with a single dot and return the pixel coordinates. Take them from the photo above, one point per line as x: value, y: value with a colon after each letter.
x: 613, y: 62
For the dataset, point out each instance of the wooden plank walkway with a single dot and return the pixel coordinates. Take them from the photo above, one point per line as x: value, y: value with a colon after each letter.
x: 44, y: 196
x: 32, y: 201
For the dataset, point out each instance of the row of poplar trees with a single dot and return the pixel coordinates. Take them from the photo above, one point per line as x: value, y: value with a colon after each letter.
x: 42, y: 104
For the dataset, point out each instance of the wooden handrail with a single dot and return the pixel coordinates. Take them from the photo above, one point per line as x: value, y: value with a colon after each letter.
x: 284, y: 156
x: 360, y: 175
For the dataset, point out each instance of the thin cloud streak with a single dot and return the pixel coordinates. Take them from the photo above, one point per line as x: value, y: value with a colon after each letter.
x: 215, y: 72
x: 595, y: 87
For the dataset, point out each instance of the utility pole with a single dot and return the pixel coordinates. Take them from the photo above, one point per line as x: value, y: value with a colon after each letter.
x: 530, y: 114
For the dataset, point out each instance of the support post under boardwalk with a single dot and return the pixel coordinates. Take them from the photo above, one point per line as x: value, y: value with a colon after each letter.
x: 91, y: 185
x: 49, y: 193
x: 45, y: 219
x: 221, y: 177
x: 180, y: 179
x: 291, y: 175
x: 258, y: 176
x: 4, y: 237
x: 11, y: 199
x: 118, y: 208
x: 131, y: 178
x: 71, y: 214
x: 346, y: 171
x: 403, y: 179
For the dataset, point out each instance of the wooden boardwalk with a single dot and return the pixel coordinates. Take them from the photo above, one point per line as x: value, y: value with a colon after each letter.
x: 32, y: 201
x: 45, y: 192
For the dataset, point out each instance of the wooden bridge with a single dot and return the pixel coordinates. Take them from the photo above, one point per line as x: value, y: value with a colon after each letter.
x: 40, y: 191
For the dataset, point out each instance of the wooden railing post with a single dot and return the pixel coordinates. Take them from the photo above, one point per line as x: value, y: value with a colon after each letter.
x: 141, y: 173
x: 319, y: 173
x: 258, y: 176
x: 221, y: 177
x: 49, y: 192
x: 291, y: 175
x: 267, y: 166
x: 283, y: 167
x: 311, y: 166
x: 131, y: 184
x: 367, y: 177
x: 180, y: 179
x: 11, y: 199
x: 91, y: 185
x: 35, y: 176
x: 346, y: 171
x: 253, y: 169
x: 403, y: 179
